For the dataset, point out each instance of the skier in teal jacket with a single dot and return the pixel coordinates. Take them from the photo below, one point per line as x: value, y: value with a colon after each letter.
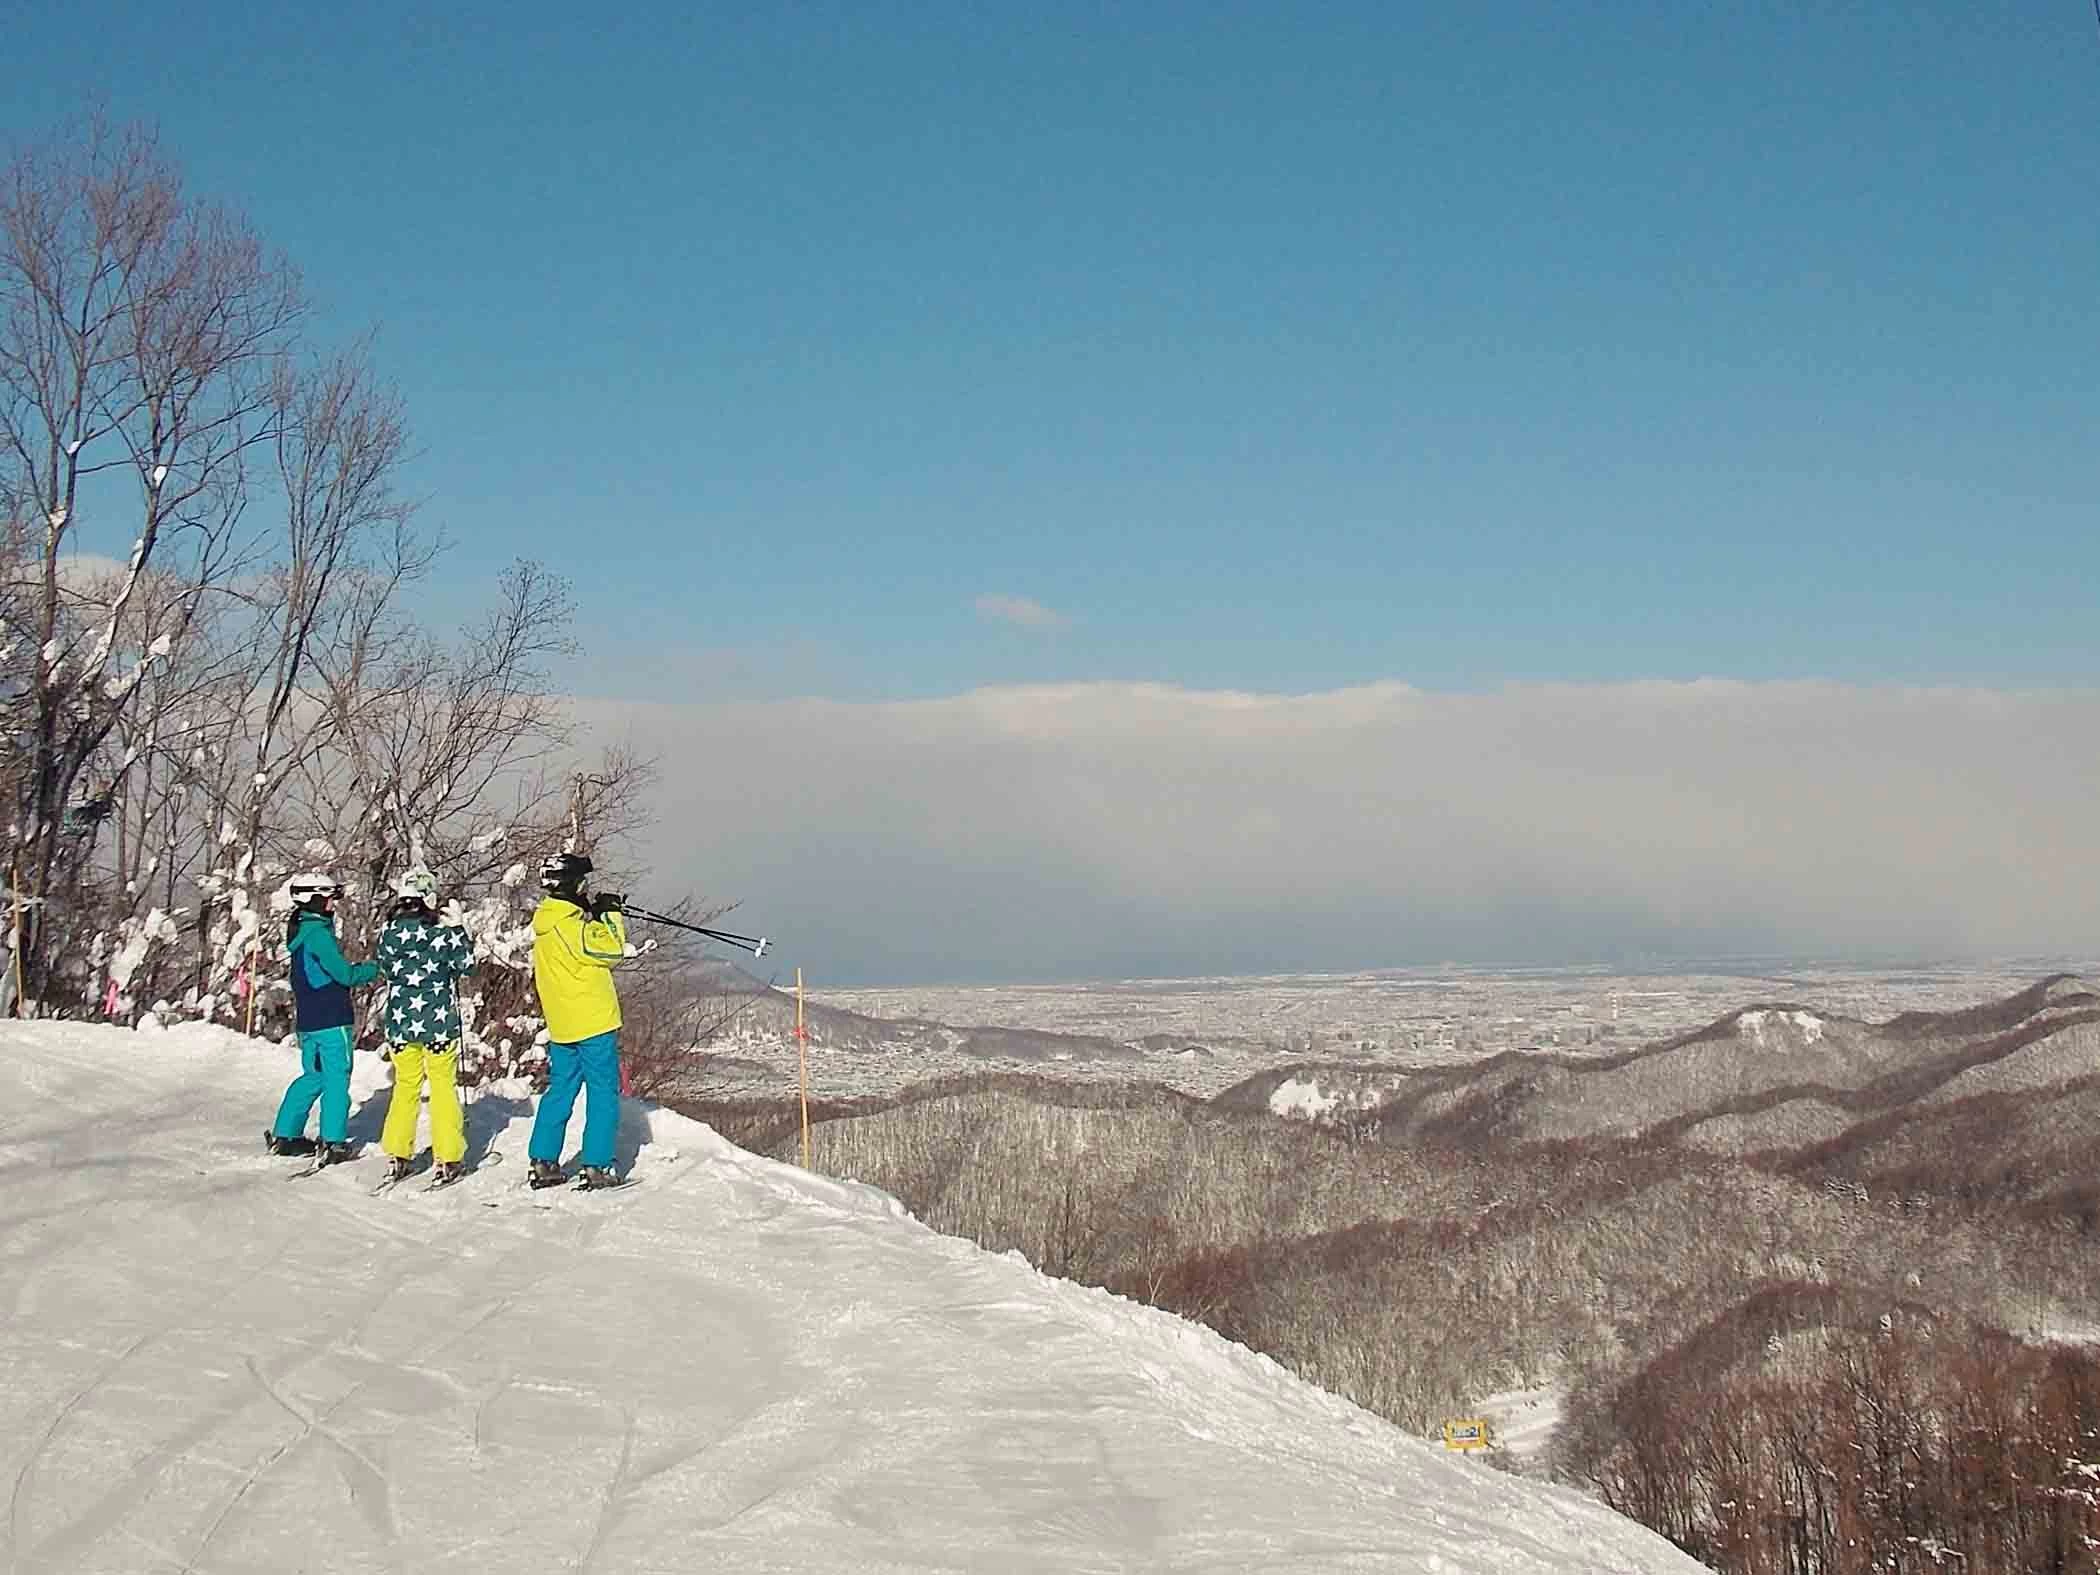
x: 321, y: 984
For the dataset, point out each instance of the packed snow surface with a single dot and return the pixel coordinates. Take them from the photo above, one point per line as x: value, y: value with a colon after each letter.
x: 732, y: 1365
x: 1524, y: 1419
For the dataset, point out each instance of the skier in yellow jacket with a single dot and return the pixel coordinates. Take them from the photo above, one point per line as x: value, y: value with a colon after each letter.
x: 576, y: 942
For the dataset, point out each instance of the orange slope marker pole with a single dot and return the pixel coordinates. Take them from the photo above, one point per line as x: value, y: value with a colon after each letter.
x: 14, y: 886
x: 254, y: 951
x: 802, y: 1055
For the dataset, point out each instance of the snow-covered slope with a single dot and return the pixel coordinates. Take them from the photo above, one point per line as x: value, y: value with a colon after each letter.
x: 732, y: 1365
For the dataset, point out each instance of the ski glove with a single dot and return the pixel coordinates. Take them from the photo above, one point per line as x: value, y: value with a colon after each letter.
x: 605, y: 902
x: 453, y: 915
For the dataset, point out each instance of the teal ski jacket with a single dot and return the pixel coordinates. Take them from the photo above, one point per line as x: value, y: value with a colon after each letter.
x: 322, y: 978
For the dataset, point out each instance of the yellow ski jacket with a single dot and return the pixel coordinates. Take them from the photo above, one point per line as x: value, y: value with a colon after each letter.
x: 572, y: 959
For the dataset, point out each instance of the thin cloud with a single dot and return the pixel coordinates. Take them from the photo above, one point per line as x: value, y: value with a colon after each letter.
x: 82, y: 573
x: 1020, y: 611
x: 1104, y: 829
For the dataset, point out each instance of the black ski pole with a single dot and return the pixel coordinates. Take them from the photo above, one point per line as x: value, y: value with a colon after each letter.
x: 755, y: 944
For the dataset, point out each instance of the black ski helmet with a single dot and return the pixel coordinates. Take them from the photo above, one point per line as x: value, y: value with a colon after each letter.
x: 563, y: 874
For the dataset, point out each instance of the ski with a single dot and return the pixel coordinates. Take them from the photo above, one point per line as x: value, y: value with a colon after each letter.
x: 293, y: 1148
x: 322, y: 1163
x: 442, y: 1182
x: 543, y: 1197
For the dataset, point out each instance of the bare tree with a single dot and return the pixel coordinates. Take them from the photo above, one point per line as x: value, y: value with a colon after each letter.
x: 452, y: 758
x: 140, y: 337
x: 672, y: 1009
x: 249, y: 687
x: 340, y: 441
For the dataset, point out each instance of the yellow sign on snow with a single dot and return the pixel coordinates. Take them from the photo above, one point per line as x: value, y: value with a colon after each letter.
x: 1467, y: 1432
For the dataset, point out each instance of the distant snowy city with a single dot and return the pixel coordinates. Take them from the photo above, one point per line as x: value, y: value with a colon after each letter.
x: 1204, y: 1035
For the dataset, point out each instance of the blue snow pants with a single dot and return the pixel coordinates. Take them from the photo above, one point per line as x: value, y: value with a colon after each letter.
x: 324, y: 1056
x: 594, y: 1065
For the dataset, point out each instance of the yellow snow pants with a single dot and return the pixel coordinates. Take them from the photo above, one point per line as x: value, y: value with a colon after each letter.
x: 448, y: 1127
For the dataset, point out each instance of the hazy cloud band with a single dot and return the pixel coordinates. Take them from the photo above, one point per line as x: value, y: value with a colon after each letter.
x: 1122, y: 829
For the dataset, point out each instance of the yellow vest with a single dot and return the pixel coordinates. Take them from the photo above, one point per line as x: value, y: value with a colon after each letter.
x: 572, y: 959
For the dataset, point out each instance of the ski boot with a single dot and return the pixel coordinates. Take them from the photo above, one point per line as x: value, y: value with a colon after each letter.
x: 544, y: 1173
x: 445, y: 1174
x: 397, y: 1169
x: 287, y: 1147
x: 593, y: 1177
x: 334, y: 1154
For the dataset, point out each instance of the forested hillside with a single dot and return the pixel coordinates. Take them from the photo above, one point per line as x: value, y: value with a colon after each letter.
x: 1887, y: 1229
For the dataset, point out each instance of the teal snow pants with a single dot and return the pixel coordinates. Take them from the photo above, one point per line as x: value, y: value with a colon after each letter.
x: 593, y: 1065
x: 324, y: 1059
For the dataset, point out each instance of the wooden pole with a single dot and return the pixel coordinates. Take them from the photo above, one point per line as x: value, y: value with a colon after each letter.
x: 14, y: 888
x: 252, y: 981
x: 802, y: 1053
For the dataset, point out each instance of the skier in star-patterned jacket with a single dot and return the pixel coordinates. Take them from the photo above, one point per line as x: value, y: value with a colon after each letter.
x: 423, y: 956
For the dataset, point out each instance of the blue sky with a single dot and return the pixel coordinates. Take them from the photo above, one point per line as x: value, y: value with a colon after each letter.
x: 952, y: 417
x: 1275, y: 347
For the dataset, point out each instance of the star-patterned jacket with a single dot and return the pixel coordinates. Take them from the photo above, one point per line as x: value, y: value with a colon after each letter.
x: 422, y: 960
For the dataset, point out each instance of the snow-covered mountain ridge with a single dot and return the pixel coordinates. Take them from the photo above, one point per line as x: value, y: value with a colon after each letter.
x: 1733, y: 1085
x: 733, y: 1364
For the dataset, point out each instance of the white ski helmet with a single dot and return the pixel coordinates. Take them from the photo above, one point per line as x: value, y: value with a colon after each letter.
x: 312, y: 886
x: 417, y: 885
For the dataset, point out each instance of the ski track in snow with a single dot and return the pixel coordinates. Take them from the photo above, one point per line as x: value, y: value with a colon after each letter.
x: 732, y: 1365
